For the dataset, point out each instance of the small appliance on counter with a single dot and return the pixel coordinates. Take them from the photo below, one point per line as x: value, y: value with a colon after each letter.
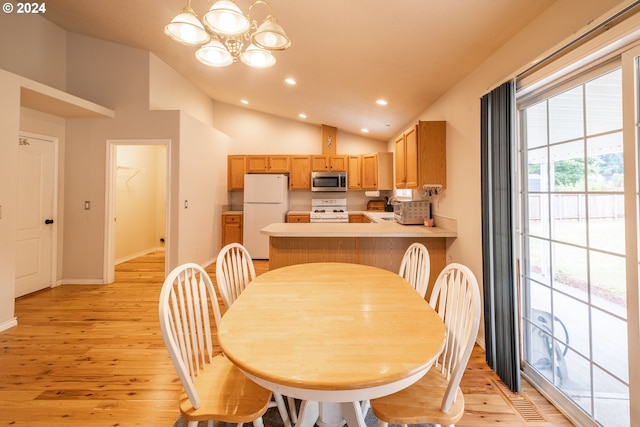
x: 411, y: 212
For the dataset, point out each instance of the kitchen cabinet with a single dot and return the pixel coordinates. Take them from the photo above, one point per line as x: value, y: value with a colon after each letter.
x: 377, y: 171
x: 231, y: 228
x: 236, y: 168
x: 354, y: 175
x: 267, y: 164
x: 300, y: 175
x: 421, y: 155
x: 329, y: 163
x: 298, y: 217
x: 360, y: 218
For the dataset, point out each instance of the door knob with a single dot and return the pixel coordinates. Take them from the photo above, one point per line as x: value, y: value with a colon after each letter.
x: 48, y: 221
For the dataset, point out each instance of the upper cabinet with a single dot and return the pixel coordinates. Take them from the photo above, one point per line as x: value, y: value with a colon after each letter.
x: 354, y: 176
x: 268, y: 164
x: 365, y: 172
x: 300, y: 176
x: 236, y: 168
x: 329, y: 163
x: 377, y: 171
x: 421, y: 155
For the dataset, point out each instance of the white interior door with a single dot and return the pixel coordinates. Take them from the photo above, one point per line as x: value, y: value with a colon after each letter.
x: 35, y: 214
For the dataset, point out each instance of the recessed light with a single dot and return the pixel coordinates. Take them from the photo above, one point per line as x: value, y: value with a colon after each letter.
x: 302, y: 115
x: 364, y: 130
x: 290, y: 81
x: 244, y: 101
x: 381, y: 102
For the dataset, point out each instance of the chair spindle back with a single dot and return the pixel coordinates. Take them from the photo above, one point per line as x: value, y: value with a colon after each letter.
x: 187, y: 302
x: 456, y: 298
x: 416, y: 267
x: 234, y: 271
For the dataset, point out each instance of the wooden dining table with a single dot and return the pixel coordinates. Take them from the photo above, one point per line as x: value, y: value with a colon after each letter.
x: 332, y: 335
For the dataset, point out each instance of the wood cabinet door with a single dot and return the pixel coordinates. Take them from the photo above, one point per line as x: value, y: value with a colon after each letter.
x: 257, y: 164
x: 300, y: 175
x: 370, y: 172
x: 319, y: 163
x: 412, y: 166
x: 231, y: 229
x: 298, y: 218
x: 432, y: 160
x: 278, y: 164
x: 236, y: 168
x: 329, y: 163
x: 401, y: 162
x: 354, y: 175
x: 338, y: 163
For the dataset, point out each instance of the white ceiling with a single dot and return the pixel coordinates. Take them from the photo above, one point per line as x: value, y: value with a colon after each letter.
x: 345, y: 54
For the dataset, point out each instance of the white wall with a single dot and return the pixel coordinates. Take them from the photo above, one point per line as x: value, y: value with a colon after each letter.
x: 260, y: 133
x: 34, y: 48
x: 168, y: 90
x: 9, y: 124
x: 203, y: 183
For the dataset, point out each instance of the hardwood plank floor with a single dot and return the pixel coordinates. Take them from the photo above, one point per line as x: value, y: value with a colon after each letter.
x: 87, y: 355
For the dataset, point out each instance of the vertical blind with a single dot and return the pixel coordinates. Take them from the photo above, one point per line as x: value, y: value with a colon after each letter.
x: 500, y: 293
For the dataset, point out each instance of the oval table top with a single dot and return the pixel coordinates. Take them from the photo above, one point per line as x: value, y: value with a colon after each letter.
x: 331, y: 326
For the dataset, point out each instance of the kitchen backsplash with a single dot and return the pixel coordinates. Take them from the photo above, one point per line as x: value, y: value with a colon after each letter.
x: 301, y: 200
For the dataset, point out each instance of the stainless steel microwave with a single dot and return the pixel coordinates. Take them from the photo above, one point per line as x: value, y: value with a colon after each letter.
x: 328, y: 181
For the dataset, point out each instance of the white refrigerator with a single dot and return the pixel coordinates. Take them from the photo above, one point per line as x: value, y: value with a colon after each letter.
x: 266, y: 200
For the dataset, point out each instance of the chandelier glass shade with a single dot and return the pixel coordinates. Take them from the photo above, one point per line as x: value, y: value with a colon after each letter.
x: 225, y: 33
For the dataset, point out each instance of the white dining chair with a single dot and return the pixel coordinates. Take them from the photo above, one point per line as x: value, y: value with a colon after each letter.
x: 214, y: 388
x: 415, y: 267
x: 436, y: 398
x: 234, y: 272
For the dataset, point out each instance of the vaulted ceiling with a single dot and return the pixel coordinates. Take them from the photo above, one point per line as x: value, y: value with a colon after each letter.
x: 345, y: 54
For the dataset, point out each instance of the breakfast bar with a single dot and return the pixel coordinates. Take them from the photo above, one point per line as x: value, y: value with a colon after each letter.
x: 381, y: 243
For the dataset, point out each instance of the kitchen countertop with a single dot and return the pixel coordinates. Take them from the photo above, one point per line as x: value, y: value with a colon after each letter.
x: 379, y: 228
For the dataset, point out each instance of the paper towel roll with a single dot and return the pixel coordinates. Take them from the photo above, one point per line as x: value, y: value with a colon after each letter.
x: 372, y: 193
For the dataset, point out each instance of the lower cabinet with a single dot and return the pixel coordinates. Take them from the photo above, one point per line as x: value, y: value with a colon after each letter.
x: 298, y: 218
x: 231, y: 228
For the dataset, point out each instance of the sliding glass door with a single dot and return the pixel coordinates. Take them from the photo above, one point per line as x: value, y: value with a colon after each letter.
x: 572, y: 246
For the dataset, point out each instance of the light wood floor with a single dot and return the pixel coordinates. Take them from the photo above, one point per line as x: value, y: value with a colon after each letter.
x: 93, y: 356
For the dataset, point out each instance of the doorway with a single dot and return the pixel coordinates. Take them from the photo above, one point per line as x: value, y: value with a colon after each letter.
x: 137, y: 201
x: 36, y: 229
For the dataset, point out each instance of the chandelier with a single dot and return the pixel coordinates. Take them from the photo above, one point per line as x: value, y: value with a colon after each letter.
x: 225, y: 33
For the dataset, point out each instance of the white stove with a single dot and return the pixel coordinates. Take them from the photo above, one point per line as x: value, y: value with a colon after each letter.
x: 329, y: 210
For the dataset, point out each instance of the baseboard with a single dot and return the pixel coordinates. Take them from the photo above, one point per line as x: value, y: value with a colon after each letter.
x: 138, y: 255
x: 83, y: 282
x: 8, y: 324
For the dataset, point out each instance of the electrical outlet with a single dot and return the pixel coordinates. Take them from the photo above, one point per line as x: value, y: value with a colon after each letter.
x: 87, y: 205
x: 186, y: 204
